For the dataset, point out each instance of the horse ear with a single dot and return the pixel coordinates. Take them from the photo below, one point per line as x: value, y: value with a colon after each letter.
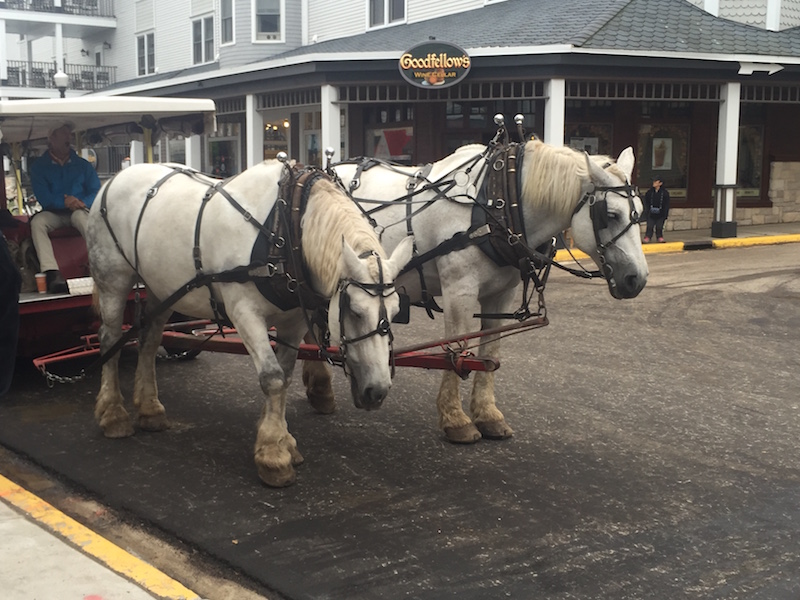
x: 597, y: 173
x: 353, y: 266
x: 400, y: 257
x: 626, y: 162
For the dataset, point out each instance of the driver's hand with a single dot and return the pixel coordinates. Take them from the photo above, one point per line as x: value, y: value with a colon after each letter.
x: 73, y: 203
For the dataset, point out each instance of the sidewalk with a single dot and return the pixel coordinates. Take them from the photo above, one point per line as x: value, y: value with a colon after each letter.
x: 45, y: 554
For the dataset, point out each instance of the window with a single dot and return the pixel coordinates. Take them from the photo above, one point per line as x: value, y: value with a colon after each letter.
x: 226, y: 21
x: 268, y: 20
x: 146, y: 53
x: 203, y: 40
x: 384, y: 12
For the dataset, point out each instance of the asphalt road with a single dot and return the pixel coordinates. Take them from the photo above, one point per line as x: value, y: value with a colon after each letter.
x: 655, y: 456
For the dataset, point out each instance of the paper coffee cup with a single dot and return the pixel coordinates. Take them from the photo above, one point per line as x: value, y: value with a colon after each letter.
x: 41, y: 283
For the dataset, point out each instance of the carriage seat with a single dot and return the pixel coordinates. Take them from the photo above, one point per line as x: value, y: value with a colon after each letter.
x: 70, y: 250
x: 68, y: 246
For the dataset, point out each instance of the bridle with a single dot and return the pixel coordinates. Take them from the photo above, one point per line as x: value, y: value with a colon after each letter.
x: 597, y: 200
x: 381, y: 290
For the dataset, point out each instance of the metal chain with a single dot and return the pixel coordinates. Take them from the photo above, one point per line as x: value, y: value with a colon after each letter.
x: 52, y: 378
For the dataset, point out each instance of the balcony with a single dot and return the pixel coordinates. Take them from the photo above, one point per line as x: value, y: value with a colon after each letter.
x: 96, y: 8
x: 24, y: 74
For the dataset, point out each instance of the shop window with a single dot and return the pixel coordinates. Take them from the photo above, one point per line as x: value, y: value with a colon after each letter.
x: 224, y: 152
x: 391, y: 143
x: 390, y: 132
x: 663, y: 152
x: 751, y: 160
x: 590, y: 138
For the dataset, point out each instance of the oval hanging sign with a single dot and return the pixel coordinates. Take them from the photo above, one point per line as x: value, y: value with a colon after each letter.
x: 434, y: 64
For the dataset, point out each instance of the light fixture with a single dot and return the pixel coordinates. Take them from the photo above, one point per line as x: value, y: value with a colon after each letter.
x: 84, y: 52
x: 106, y: 45
x: 286, y: 123
x: 61, y: 80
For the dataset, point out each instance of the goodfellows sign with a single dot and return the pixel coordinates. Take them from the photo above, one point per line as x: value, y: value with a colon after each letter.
x: 434, y: 64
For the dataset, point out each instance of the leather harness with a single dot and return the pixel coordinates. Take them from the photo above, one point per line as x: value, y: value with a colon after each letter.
x: 276, y: 265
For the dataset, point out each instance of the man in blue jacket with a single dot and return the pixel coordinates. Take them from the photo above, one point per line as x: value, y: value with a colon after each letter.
x: 65, y: 185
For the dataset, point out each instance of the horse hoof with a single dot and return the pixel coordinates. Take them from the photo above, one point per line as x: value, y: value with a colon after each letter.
x: 324, y: 404
x: 154, y: 422
x: 495, y: 430
x: 277, y: 478
x: 297, y: 458
x: 466, y: 434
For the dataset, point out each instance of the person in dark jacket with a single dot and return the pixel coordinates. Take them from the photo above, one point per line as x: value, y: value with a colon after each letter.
x: 9, y: 315
x: 65, y: 185
x: 656, y: 208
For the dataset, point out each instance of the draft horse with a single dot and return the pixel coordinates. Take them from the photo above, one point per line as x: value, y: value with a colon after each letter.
x: 257, y: 251
x: 522, y: 195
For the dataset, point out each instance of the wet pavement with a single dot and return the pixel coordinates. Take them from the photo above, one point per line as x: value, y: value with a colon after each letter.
x: 654, y: 455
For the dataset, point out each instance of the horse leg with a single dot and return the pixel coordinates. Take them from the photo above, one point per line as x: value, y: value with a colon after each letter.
x: 317, y: 381
x: 151, y: 413
x: 458, y: 428
x: 485, y: 414
x: 109, y: 411
x: 287, y: 359
x: 275, y: 448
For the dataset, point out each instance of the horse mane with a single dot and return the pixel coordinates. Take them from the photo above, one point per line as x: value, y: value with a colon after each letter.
x: 330, y: 215
x: 553, y: 177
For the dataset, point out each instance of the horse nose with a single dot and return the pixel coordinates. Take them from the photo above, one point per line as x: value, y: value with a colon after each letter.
x: 374, y: 396
x: 634, y: 284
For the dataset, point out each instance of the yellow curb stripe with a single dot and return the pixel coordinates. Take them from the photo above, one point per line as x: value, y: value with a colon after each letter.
x: 756, y: 241
x: 659, y: 247
x: 108, y: 553
x: 563, y: 255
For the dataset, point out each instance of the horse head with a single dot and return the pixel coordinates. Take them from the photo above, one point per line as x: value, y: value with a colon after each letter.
x: 359, y: 319
x: 605, y: 224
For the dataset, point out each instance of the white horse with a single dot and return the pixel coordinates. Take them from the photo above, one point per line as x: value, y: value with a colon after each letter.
x: 174, y: 229
x: 559, y: 188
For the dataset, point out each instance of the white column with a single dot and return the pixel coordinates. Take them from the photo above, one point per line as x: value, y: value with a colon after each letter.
x: 554, y: 112
x: 331, y: 130
x: 727, y: 161
x: 254, y: 132
x: 194, y: 151
x: 59, y: 49
x: 137, y: 152
x: 3, y: 57
x: 773, y: 15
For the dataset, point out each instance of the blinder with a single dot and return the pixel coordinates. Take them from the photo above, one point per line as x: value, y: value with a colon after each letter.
x: 380, y: 290
x: 598, y: 213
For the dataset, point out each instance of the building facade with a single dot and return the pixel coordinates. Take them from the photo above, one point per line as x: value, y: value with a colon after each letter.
x: 706, y: 92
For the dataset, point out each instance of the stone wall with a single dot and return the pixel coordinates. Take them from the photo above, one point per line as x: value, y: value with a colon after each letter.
x: 784, y: 193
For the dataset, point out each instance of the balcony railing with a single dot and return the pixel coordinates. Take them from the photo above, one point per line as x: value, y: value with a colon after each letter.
x: 96, y: 8
x: 26, y: 74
